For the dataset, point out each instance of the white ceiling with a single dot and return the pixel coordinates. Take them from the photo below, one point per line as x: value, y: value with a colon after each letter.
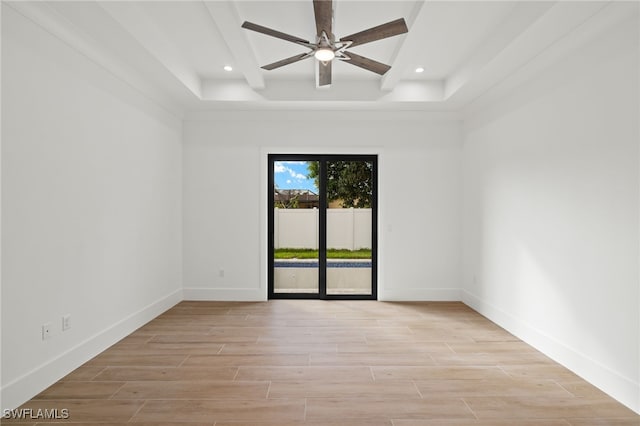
x: 176, y: 50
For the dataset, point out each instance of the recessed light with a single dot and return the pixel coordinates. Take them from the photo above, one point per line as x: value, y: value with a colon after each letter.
x: 419, y: 69
x: 228, y: 68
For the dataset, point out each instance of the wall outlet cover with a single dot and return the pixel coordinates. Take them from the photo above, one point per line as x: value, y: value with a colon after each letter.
x: 46, y: 331
x: 66, y: 322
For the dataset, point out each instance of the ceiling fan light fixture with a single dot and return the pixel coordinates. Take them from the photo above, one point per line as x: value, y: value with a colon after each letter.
x: 324, y: 54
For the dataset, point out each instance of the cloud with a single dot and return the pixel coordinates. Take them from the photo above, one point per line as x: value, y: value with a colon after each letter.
x: 280, y: 167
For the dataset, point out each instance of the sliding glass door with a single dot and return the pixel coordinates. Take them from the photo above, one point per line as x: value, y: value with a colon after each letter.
x: 322, y: 226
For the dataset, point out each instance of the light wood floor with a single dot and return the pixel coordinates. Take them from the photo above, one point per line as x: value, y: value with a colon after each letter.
x: 311, y: 362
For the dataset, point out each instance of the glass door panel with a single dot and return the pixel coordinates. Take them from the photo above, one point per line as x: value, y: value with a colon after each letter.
x: 349, y: 241
x: 295, y: 222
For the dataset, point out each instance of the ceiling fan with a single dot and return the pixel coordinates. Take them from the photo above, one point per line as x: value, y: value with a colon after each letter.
x: 326, y: 48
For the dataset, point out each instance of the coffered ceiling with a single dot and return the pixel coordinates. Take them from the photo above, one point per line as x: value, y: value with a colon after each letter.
x: 176, y: 51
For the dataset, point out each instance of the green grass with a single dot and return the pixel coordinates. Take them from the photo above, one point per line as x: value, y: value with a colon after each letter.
x: 290, y: 253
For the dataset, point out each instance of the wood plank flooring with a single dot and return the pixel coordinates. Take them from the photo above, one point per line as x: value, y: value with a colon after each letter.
x: 330, y: 363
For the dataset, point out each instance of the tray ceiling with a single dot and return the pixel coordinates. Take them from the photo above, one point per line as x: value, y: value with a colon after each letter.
x: 180, y: 48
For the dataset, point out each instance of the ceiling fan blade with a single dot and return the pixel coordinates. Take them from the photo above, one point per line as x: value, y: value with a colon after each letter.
x: 286, y: 61
x: 323, y: 10
x: 389, y: 29
x: 273, y: 33
x: 324, y: 73
x: 366, y: 63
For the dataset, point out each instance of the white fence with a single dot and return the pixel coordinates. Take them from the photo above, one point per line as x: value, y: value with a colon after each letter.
x: 346, y: 228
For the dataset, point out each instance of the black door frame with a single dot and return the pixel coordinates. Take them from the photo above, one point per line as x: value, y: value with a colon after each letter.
x: 322, y: 227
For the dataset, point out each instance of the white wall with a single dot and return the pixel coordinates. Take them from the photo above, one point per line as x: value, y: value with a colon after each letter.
x: 225, y: 158
x: 91, y: 176
x: 1, y: 399
x: 551, y: 213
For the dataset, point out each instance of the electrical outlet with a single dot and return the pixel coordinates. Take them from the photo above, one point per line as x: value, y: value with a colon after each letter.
x: 66, y: 322
x: 46, y: 331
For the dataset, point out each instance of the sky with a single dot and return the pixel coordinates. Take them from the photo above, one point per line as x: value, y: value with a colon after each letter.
x: 292, y: 175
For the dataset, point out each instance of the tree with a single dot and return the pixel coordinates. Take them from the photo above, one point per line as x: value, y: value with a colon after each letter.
x: 285, y: 200
x: 350, y: 182
x: 291, y: 203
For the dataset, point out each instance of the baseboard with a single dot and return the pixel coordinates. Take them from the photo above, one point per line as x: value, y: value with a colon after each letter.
x: 26, y: 387
x: 225, y: 294
x: 420, y: 294
x: 621, y: 388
